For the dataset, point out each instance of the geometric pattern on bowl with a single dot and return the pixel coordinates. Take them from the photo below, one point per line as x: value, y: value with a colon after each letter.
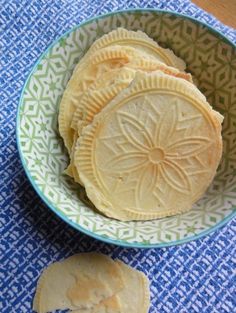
x: 212, y: 61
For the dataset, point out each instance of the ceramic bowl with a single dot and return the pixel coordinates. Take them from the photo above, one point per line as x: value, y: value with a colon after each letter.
x: 210, y: 57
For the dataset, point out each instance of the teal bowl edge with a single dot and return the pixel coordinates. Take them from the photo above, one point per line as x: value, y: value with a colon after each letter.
x: 42, y: 196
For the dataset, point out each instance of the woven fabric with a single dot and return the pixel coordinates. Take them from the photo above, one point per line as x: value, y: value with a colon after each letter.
x: 194, y: 277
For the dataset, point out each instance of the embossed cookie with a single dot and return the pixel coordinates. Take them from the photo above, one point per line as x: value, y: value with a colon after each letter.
x: 101, y: 62
x: 90, y: 71
x: 104, y: 90
x: 87, y: 72
x: 138, y: 40
x: 141, y: 41
x: 152, y: 151
x: 113, y: 81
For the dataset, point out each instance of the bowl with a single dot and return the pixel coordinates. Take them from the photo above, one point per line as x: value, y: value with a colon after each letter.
x: 210, y: 57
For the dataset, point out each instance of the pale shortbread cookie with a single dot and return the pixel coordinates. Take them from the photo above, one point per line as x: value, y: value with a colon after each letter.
x: 79, y: 282
x: 152, y: 151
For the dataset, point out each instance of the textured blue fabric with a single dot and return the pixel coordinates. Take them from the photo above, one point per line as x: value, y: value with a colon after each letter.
x: 194, y: 277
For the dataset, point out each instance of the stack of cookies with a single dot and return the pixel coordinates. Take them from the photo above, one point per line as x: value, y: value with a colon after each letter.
x: 142, y: 139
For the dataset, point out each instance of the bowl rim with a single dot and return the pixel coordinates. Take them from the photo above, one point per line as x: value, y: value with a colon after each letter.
x: 48, y: 203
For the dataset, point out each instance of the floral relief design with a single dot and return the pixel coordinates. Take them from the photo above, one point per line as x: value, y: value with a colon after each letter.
x: 157, y: 155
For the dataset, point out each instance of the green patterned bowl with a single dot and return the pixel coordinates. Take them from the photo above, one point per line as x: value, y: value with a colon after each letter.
x: 210, y: 57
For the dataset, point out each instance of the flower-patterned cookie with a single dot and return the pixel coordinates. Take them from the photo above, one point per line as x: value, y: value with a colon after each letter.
x: 152, y: 151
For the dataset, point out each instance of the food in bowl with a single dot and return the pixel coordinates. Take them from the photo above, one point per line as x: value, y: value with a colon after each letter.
x: 209, y: 57
x: 134, y: 104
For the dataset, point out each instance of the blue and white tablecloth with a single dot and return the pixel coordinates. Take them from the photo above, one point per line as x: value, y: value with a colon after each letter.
x: 194, y: 277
